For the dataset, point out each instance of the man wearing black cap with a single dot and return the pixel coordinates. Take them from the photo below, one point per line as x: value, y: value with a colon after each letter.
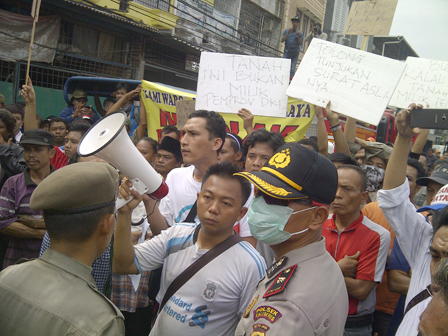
x: 25, y: 226
x: 55, y: 294
x: 433, y: 183
x: 168, y: 156
x: 303, y: 291
x: 293, y: 39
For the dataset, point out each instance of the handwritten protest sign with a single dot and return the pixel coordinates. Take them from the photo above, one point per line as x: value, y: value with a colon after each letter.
x: 370, y: 17
x: 163, y: 103
x: 227, y: 83
x: 424, y: 81
x: 359, y: 84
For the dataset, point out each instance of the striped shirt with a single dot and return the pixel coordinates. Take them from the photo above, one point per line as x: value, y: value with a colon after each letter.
x: 14, y: 201
x: 214, y: 299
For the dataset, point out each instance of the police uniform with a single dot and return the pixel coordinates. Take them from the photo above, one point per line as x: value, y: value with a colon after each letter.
x: 56, y: 294
x: 296, y: 297
x: 303, y: 293
x: 61, y: 299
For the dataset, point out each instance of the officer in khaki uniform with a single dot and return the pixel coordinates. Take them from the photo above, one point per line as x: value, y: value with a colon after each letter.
x: 56, y: 294
x: 303, y: 292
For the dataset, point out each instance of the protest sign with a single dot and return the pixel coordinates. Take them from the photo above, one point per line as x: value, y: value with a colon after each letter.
x: 227, y: 83
x: 160, y: 103
x: 370, y: 17
x: 359, y: 84
x: 424, y: 81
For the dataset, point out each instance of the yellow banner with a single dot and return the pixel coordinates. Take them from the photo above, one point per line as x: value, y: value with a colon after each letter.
x: 160, y: 104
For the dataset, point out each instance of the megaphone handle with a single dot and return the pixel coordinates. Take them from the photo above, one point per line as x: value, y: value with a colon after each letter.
x: 138, y: 186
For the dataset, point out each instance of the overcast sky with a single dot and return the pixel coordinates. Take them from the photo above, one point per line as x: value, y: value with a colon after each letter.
x: 424, y: 24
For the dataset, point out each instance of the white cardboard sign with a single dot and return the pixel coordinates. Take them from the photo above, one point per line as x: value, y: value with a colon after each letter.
x: 359, y: 84
x: 228, y: 82
x: 424, y: 81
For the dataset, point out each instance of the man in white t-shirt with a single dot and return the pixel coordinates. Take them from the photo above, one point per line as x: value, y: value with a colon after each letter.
x: 214, y: 299
x: 202, y: 137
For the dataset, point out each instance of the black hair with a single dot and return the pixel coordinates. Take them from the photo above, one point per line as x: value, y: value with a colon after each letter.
x: 227, y: 170
x: 440, y: 218
x: 273, y: 139
x: 309, y: 142
x: 123, y: 85
x: 343, y: 158
x: 417, y: 165
x: 235, y: 142
x: 360, y: 171
x: 15, y: 108
x: 8, y: 119
x: 40, y: 121
x: 441, y: 279
x: 317, y: 24
x: 57, y: 119
x: 171, y: 128
x: 109, y: 100
x: 80, y: 126
x: 154, y: 144
x: 215, y: 124
x: 75, y: 227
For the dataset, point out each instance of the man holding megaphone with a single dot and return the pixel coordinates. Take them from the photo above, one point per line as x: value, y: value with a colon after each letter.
x: 202, y: 137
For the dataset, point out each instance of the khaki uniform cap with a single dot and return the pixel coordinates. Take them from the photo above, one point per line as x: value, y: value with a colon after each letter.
x: 77, y: 188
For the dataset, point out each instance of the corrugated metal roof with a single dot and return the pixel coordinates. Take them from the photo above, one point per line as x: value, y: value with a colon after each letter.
x: 111, y: 14
x: 117, y: 16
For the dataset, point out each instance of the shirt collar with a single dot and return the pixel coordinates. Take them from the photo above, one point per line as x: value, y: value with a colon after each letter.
x: 307, y: 252
x: 352, y: 226
x: 69, y: 265
x: 28, y: 180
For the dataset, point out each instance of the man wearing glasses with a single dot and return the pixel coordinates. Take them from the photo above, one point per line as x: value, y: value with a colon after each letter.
x: 360, y: 247
x: 304, y: 290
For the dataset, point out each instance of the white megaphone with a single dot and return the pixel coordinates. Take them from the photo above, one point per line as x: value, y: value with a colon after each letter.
x: 108, y: 139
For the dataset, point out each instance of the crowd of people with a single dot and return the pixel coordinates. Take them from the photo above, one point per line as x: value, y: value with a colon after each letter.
x: 255, y: 236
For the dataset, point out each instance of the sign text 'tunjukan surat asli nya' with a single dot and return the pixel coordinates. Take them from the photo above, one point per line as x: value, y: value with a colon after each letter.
x: 425, y: 82
x: 359, y: 84
x: 227, y: 83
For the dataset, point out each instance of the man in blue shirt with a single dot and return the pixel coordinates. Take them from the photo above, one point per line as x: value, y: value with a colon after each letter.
x: 293, y: 39
x: 77, y: 108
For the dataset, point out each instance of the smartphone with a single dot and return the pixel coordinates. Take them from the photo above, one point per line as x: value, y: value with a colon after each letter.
x: 429, y: 118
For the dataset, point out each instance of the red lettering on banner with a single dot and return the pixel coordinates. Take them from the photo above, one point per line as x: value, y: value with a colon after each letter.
x: 167, y: 118
x: 288, y: 129
x: 275, y: 128
x: 234, y: 127
x: 257, y: 126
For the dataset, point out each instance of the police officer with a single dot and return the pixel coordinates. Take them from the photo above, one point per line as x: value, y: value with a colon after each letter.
x: 56, y: 294
x: 303, y: 292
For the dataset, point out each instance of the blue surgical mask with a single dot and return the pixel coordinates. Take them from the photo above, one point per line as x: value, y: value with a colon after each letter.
x: 267, y: 221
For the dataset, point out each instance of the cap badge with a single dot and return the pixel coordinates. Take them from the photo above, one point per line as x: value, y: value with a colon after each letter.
x: 269, y: 187
x: 281, y: 159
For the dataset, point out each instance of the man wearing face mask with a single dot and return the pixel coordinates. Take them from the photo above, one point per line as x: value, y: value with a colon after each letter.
x: 360, y: 247
x: 304, y: 289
